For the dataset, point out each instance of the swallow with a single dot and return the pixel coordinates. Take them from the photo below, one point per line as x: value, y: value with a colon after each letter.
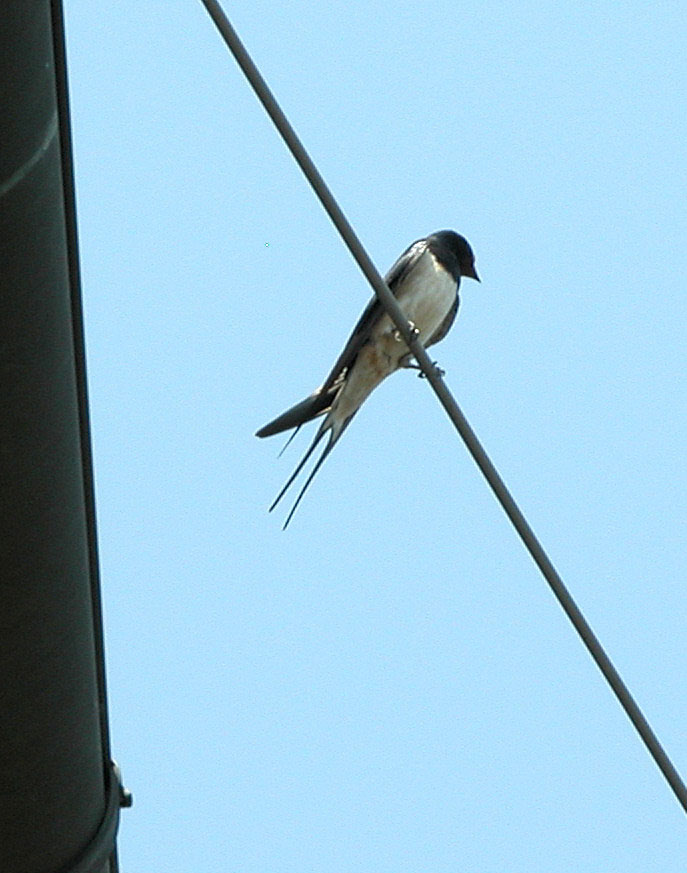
x: 425, y: 281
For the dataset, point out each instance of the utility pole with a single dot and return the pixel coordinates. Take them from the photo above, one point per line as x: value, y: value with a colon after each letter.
x: 60, y: 794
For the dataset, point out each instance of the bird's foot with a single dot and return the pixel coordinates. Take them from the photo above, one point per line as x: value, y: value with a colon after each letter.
x: 437, y: 369
x: 411, y: 364
x: 397, y: 333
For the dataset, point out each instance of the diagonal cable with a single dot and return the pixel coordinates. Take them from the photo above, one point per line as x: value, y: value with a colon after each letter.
x: 447, y: 400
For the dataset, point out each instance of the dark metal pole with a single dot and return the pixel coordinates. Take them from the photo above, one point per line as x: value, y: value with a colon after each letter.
x: 59, y: 793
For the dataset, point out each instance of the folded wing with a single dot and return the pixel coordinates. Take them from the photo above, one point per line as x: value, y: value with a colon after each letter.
x: 321, y: 400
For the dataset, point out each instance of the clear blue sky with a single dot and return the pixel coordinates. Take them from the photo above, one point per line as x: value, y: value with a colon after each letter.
x: 388, y: 686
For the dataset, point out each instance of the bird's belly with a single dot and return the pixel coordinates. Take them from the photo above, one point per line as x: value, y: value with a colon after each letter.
x: 374, y: 363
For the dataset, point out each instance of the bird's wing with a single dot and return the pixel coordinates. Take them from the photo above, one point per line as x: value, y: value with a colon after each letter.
x: 445, y: 325
x: 373, y: 312
x: 322, y: 398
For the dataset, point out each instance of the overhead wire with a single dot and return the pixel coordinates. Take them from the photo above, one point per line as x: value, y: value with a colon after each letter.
x: 435, y: 378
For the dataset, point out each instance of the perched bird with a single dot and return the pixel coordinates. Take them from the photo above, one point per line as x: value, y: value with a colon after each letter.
x: 425, y: 282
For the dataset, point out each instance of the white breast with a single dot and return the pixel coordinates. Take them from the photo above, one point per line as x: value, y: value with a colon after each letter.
x: 427, y: 296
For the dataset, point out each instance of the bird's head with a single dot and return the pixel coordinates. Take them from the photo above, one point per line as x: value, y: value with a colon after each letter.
x: 459, y: 247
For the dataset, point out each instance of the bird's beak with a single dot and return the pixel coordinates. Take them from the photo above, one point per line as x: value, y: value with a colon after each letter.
x: 473, y: 274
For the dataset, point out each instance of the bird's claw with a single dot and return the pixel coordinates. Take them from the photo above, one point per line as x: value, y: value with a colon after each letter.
x: 437, y: 369
x: 414, y: 331
x: 410, y: 364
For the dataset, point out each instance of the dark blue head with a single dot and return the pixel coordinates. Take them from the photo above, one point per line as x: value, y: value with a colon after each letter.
x: 454, y: 252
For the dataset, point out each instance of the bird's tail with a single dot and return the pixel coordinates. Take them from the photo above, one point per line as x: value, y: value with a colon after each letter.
x: 334, y: 429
